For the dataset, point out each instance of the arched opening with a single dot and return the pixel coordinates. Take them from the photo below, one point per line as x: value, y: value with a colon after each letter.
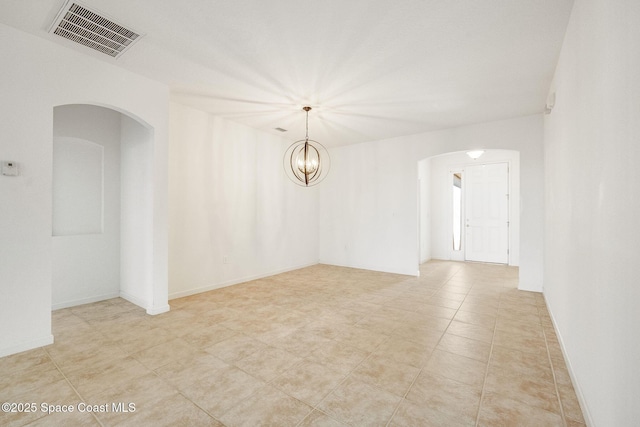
x: 444, y: 207
x: 102, y: 206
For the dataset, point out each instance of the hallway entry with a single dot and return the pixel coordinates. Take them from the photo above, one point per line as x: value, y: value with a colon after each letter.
x: 469, y: 210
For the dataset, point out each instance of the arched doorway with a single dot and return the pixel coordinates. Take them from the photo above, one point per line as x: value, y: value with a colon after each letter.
x: 102, y: 206
x: 441, y: 178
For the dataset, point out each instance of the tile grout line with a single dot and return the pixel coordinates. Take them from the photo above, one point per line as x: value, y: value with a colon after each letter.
x: 405, y: 395
x: 180, y: 392
x: 316, y: 406
x: 490, y: 351
x: 486, y: 374
x: 266, y: 383
x: 553, y: 373
x: 71, y: 385
x: 199, y: 407
x: 430, y: 356
x: 488, y: 359
x: 269, y: 383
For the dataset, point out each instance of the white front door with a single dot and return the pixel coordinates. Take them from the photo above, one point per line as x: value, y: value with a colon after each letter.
x: 487, y: 213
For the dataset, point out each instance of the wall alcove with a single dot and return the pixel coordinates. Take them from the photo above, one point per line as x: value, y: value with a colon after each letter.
x: 102, y: 206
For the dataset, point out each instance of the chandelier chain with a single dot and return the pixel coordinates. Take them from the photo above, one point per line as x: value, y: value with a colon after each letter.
x: 307, y: 123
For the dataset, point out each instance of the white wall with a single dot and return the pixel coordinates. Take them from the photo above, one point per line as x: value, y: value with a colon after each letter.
x: 78, y: 175
x: 86, y: 266
x: 368, y: 203
x: 136, y: 231
x: 231, y: 201
x: 441, y: 202
x: 368, y: 207
x: 424, y: 210
x: 592, y: 235
x: 40, y: 76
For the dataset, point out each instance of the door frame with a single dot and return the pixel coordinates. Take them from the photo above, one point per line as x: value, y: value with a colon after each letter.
x: 461, y: 255
x: 508, y: 204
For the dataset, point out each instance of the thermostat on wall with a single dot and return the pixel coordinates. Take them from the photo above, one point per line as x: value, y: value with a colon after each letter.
x: 9, y: 169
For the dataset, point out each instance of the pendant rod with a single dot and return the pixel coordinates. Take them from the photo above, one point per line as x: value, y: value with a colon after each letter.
x: 307, y: 108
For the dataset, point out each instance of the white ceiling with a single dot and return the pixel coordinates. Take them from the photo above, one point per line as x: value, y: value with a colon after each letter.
x: 371, y: 69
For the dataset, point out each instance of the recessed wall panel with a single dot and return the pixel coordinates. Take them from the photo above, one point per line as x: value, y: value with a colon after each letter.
x: 78, y: 173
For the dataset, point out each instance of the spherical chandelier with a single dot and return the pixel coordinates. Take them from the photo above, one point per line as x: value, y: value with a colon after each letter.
x: 306, y: 162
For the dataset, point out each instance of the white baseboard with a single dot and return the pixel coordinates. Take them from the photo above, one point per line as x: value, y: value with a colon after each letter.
x: 26, y: 345
x: 158, y: 310
x: 143, y: 304
x: 82, y: 301
x: 124, y: 295
x: 528, y: 287
x: 133, y: 299
x: 407, y: 272
x: 232, y: 282
x: 576, y: 385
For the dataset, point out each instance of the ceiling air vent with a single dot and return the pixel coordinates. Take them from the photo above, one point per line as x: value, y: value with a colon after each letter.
x: 93, y: 30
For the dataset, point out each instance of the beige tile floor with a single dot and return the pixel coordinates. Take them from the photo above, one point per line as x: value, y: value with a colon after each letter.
x: 320, y: 346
